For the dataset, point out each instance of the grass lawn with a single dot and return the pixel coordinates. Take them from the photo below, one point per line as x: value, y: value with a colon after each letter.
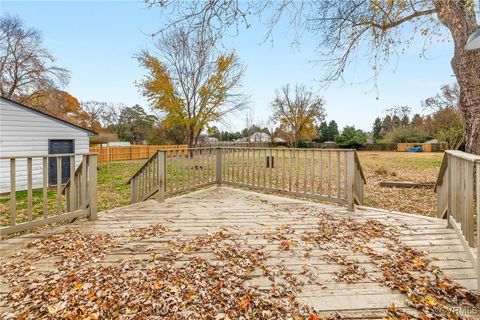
x: 377, y: 166
x: 404, y: 166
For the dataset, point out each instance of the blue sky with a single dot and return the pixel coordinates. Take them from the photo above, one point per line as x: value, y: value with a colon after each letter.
x: 97, y: 40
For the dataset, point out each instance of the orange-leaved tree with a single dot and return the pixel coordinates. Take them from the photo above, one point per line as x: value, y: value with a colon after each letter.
x: 191, y: 82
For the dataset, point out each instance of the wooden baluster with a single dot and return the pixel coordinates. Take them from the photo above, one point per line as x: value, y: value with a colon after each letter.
x: 13, y: 193
x: 182, y: 168
x: 338, y: 175
x: 218, y: 171
x: 92, y: 185
x: 468, y: 202
x: 253, y: 167
x: 45, y: 187
x: 29, y: 189
x: 357, y: 184
x: 161, y: 164
x: 248, y: 167
x: 177, y: 173
x: 171, y: 177
x: 264, y: 168
x: 312, y: 173
x: 271, y: 169
x: 276, y: 168
x: 321, y: 173
x: 350, y: 179
x: 259, y: 168
x: 133, y: 190
x: 305, y: 171
x: 72, y: 184
x: 297, y: 170
x: 329, y: 171
x: 84, y: 181
x: 290, y: 151
x: 233, y: 165
x: 243, y: 167
x: 59, y: 185
x: 189, y: 168
x: 283, y: 169
x: 450, y: 190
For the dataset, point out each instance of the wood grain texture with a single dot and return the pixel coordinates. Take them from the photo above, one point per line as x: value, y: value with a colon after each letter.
x: 252, y: 216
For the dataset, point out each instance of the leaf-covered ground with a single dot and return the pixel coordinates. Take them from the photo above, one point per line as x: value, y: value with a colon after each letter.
x: 401, y: 166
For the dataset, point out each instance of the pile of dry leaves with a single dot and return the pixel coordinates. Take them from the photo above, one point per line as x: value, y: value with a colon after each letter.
x: 207, y: 276
x: 174, y: 284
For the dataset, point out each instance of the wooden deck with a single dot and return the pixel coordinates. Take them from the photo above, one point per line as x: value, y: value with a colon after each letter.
x: 285, y: 229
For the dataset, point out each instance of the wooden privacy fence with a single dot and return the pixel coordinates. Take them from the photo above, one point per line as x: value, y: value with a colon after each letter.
x: 77, y: 198
x: 332, y: 175
x: 135, y: 152
x: 458, y: 193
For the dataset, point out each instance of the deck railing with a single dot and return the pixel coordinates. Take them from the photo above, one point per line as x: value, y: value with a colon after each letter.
x: 184, y: 171
x: 332, y: 175
x: 456, y: 188
x: 324, y: 174
x: 45, y: 204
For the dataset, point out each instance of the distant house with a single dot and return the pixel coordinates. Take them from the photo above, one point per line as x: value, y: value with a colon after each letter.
x: 259, y: 137
x: 117, y: 144
x: 211, y: 140
x: 28, y: 132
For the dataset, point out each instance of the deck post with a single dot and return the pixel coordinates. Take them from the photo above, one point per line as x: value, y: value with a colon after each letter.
x: 449, y: 191
x: 477, y: 165
x: 92, y: 186
x: 219, y: 166
x: 161, y: 163
x: 350, y: 163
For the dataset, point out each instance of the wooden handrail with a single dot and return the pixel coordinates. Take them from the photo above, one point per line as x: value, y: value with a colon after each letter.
x: 53, y: 155
x: 359, y: 166
x: 67, y: 184
x: 441, y: 173
x: 146, y: 163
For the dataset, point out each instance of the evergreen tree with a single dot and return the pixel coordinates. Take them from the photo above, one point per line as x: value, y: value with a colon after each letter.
x: 323, y: 131
x: 332, y: 131
x: 377, y: 129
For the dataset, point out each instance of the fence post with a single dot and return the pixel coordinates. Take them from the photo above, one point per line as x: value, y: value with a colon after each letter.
x: 161, y: 155
x: 219, y: 166
x: 92, y: 186
x: 350, y: 163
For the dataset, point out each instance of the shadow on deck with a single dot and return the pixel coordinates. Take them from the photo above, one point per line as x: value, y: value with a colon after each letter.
x: 253, y: 251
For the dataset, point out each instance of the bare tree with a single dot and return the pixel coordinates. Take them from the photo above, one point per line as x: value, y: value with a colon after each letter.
x: 191, y: 81
x: 446, y: 122
x: 449, y: 97
x: 372, y: 30
x: 297, y: 112
x: 26, y: 69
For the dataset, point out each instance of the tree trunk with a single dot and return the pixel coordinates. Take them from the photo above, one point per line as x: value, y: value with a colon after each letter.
x: 461, y: 22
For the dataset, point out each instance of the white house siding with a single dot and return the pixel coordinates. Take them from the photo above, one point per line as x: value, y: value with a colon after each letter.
x: 25, y: 132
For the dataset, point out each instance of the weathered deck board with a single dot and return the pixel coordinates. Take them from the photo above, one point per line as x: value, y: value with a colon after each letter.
x: 252, y: 216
